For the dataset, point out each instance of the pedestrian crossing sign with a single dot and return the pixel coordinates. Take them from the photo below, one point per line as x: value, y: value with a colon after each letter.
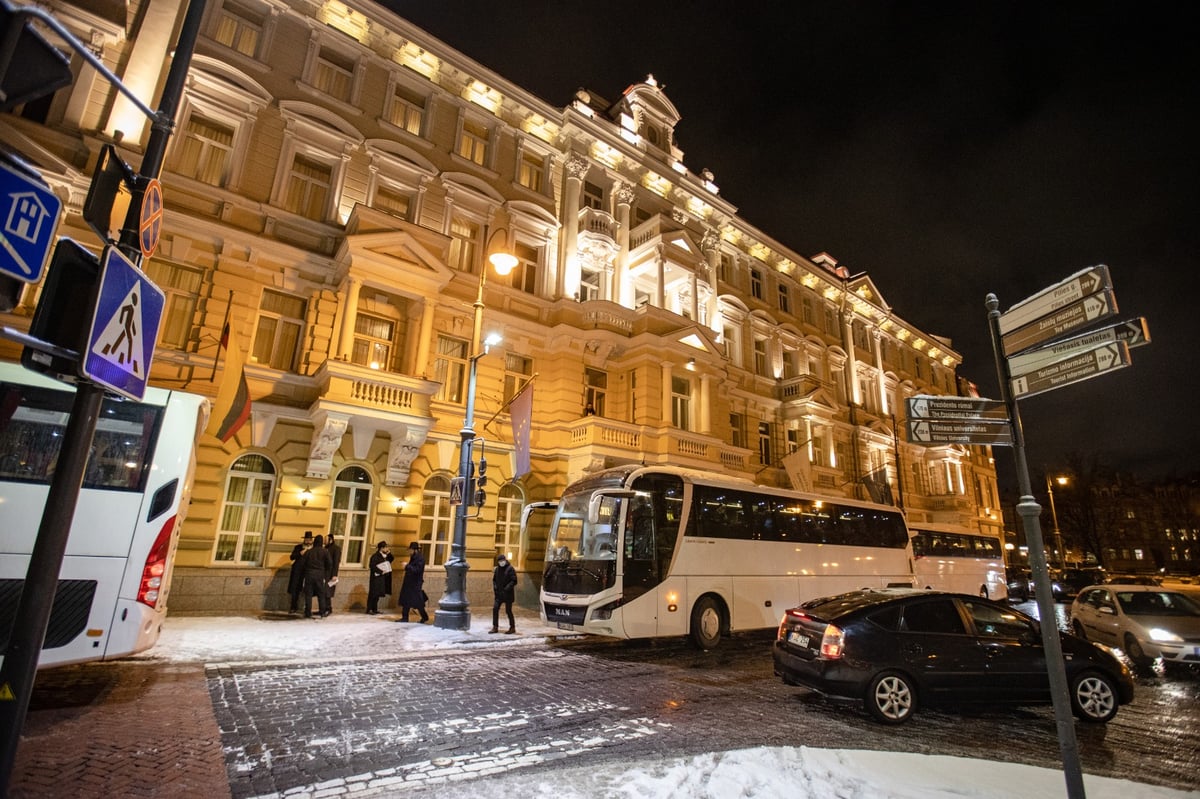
x: 124, y: 327
x: 456, y: 490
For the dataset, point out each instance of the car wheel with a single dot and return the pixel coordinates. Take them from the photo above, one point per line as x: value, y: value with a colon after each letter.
x: 1093, y: 697
x: 1134, y: 650
x: 706, y: 623
x: 1077, y: 628
x: 891, y: 698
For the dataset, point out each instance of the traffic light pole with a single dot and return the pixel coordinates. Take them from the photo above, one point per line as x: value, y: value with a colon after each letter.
x: 41, y: 581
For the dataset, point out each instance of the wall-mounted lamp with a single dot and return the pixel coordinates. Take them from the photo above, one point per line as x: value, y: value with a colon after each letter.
x: 499, y: 253
x: 305, y: 496
x: 691, y: 364
x: 400, y: 503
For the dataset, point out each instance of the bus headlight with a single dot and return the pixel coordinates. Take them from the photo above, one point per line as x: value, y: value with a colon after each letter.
x: 605, y: 612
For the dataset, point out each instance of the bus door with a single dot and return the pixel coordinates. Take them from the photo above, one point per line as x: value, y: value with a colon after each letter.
x: 639, y: 569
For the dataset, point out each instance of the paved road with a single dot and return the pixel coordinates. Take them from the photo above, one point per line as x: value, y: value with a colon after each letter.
x: 354, y: 721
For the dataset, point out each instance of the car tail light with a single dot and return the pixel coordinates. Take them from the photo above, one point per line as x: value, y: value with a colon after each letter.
x: 150, y: 590
x: 790, y: 614
x: 832, y: 643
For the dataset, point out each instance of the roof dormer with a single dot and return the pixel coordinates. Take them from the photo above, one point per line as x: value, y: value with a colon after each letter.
x: 645, y: 111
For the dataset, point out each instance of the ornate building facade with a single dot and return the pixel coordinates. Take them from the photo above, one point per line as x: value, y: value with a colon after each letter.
x: 334, y: 182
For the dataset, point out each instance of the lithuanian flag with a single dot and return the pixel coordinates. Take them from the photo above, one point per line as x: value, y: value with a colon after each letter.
x: 232, y: 408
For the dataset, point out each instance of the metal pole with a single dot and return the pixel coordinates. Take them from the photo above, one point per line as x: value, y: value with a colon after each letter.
x: 1030, y: 513
x: 19, y: 669
x: 454, y: 609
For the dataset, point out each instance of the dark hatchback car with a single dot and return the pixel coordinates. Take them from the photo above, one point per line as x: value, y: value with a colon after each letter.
x: 897, y: 649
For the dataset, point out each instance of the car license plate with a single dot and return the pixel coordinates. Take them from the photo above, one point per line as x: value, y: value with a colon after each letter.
x: 797, y: 638
x: 564, y: 626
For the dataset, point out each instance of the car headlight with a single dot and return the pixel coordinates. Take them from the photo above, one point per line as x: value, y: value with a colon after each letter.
x: 1163, y: 636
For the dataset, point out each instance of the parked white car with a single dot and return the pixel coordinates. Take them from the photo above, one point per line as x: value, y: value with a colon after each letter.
x: 1146, y: 621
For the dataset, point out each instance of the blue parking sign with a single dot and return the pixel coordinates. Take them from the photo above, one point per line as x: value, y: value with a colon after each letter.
x: 124, y: 328
x: 28, y: 218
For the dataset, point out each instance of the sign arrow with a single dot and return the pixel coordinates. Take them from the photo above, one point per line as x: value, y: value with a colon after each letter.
x: 1033, y: 360
x: 1077, y: 286
x: 1055, y: 325
x: 1098, y: 361
x: 979, y: 433
x: 929, y: 406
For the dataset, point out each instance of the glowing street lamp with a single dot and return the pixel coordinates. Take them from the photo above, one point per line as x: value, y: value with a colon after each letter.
x: 453, y: 610
x: 1058, y: 542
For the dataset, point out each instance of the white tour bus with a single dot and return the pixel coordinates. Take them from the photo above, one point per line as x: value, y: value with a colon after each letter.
x: 644, y: 551
x: 949, y: 558
x: 112, y: 589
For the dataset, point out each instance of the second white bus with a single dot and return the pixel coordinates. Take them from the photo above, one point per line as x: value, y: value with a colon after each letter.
x: 955, y: 559
x: 112, y: 588
x: 644, y: 551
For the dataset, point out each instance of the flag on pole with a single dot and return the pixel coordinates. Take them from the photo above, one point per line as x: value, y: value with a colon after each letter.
x: 521, y: 411
x: 232, y: 408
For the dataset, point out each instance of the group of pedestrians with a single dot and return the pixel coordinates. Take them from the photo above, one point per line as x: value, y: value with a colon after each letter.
x: 314, y: 573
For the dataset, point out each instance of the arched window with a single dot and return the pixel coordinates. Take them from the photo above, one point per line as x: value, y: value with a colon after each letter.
x: 351, y: 513
x: 437, y: 520
x: 508, y: 523
x: 245, y: 509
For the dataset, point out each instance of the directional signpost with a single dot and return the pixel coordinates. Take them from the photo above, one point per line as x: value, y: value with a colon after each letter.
x: 1079, y: 285
x: 1061, y: 322
x: 973, y: 421
x: 28, y: 218
x: 1133, y: 332
x: 1097, y: 361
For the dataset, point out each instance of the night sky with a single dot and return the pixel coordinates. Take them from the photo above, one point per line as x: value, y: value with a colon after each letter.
x: 950, y: 150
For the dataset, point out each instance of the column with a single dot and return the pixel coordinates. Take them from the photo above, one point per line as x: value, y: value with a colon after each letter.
x: 575, y: 167
x: 877, y: 337
x: 622, y: 293
x: 349, y: 310
x: 705, y: 404
x: 424, y: 340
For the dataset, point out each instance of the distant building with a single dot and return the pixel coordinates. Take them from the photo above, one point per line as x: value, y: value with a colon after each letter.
x: 335, y: 181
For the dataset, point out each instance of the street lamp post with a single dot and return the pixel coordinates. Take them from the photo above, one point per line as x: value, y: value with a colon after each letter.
x: 454, y: 610
x: 1058, y: 542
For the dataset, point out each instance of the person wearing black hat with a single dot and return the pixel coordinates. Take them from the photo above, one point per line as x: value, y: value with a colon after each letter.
x: 412, y: 590
x: 296, y: 577
x: 381, y: 577
x: 504, y: 586
x: 318, y: 568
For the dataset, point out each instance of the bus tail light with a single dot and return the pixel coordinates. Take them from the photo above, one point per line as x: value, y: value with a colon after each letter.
x: 150, y: 590
x: 832, y: 643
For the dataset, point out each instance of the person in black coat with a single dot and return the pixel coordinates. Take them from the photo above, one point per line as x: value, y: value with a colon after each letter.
x: 504, y: 587
x: 381, y: 580
x: 412, y: 590
x: 296, y: 576
x: 318, y: 568
x: 335, y: 555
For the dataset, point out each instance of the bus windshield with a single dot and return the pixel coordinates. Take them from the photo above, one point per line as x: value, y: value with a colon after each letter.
x: 581, y: 555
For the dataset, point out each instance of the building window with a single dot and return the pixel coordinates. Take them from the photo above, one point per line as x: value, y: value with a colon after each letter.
x: 681, y: 403
x: 464, y: 241
x: 595, y: 391
x: 756, y: 281
x: 473, y: 142
x: 737, y: 430
x: 760, y: 357
x: 508, y: 523
x: 351, y: 513
x: 808, y: 314
x: 450, y: 369
x: 181, y: 287
x: 239, y: 29
x: 593, y: 196
x: 334, y: 74
x: 725, y: 268
x: 517, y: 371
x: 524, y: 275
x: 791, y: 364
x: 764, y: 444
x: 820, y: 452
x: 205, y: 151
x: 393, y: 201
x: 733, y: 344
x: 245, y: 508
x: 590, y: 283
x: 436, y: 519
x: 407, y: 110
x: 373, y: 337
x: 308, y: 188
x: 793, y: 439
x: 532, y: 172
x: 785, y: 298
x: 279, y: 330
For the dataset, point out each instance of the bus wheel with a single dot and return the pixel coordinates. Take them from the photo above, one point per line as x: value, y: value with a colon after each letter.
x: 706, y: 623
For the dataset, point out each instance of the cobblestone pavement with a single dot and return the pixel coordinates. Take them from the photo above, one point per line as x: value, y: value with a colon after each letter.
x: 357, y: 706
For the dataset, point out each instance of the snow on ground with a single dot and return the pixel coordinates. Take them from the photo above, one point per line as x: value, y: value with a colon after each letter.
x: 762, y: 773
